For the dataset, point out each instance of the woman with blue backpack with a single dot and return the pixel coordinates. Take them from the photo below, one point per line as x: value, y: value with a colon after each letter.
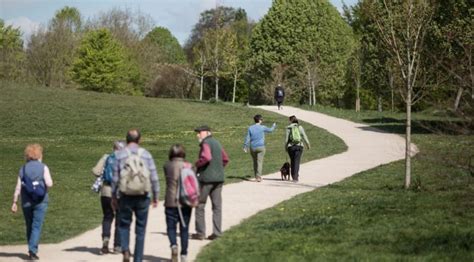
x: 33, y: 182
x: 104, y: 173
x: 295, y: 139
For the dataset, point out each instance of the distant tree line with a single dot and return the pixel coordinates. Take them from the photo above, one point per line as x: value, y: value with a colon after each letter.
x: 319, y: 55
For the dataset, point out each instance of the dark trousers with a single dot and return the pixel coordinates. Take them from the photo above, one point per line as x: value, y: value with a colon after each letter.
x: 295, y: 153
x: 214, y: 190
x: 129, y: 205
x: 172, y: 219
x: 107, y: 220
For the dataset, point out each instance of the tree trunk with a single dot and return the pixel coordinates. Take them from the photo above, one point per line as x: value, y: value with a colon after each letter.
x: 379, y: 103
x: 357, y: 97
x: 314, y: 94
x: 458, y: 98
x: 235, y: 85
x: 408, y: 143
x: 390, y: 81
x: 217, y: 88
x: 202, y: 86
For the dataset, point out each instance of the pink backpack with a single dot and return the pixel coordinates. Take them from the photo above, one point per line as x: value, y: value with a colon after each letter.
x: 188, y: 189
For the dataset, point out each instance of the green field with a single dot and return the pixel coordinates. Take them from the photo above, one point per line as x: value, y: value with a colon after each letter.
x: 77, y: 127
x: 370, y: 216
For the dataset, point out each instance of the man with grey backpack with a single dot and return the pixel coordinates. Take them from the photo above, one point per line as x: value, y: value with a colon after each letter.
x: 135, y: 184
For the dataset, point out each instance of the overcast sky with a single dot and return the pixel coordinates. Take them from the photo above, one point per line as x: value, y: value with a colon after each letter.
x: 179, y: 16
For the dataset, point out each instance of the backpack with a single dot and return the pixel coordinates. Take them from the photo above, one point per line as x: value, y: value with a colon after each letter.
x: 35, y: 189
x: 135, y: 176
x: 188, y: 187
x: 295, y: 135
x: 108, y: 172
x: 279, y: 93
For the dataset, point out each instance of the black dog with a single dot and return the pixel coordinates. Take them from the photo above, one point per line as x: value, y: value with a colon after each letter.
x: 285, y: 171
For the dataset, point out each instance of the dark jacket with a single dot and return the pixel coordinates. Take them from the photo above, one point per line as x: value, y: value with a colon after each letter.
x: 172, y: 171
x: 211, y: 162
x: 279, y: 97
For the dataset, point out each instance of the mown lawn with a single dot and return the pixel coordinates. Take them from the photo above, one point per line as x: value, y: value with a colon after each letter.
x: 370, y: 216
x: 77, y: 127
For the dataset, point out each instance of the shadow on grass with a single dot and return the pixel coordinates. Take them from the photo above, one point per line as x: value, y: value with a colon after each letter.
x: 422, y: 127
x: 18, y: 255
x: 244, y: 178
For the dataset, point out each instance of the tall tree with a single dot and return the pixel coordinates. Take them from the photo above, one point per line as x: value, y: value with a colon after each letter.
x: 171, y: 50
x: 101, y: 64
x: 11, y: 52
x: 402, y: 27
x: 295, y: 31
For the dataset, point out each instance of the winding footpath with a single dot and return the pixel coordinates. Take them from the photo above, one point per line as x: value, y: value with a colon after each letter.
x: 367, y: 148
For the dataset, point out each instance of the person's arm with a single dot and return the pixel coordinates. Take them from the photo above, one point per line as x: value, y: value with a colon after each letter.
x: 99, y: 167
x: 47, y: 177
x: 269, y: 129
x: 247, y: 140
x: 205, y: 156
x: 155, y: 183
x: 305, y: 137
x: 287, y: 137
x: 225, y: 157
x: 16, y: 194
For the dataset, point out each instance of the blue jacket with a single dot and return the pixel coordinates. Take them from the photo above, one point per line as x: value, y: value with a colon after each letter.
x: 256, y: 135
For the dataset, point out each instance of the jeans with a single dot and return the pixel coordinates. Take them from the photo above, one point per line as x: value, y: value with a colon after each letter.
x: 215, y: 191
x: 257, y: 157
x: 295, y: 153
x: 109, y: 215
x: 172, y: 218
x: 129, y: 205
x: 34, y: 214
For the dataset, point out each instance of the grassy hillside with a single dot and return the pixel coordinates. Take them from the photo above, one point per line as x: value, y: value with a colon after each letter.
x: 370, y: 216
x: 77, y: 127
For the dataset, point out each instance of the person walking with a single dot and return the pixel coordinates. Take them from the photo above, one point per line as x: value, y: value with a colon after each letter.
x: 33, y: 182
x: 294, y: 140
x: 255, y: 138
x: 104, y: 169
x: 172, y: 171
x: 279, y: 96
x: 135, y: 181
x: 210, y: 169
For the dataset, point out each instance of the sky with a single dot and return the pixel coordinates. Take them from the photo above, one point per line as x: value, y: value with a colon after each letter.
x: 179, y: 16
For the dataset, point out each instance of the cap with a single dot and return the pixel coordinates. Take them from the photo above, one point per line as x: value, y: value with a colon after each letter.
x: 202, y: 128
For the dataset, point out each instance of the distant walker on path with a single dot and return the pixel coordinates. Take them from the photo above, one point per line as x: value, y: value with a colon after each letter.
x: 279, y: 96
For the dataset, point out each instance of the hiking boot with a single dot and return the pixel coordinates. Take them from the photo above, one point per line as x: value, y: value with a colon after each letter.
x: 117, y: 250
x: 104, y: 250
x: 105, y: 246
x: 197, y: 236
x: 212, y: 237
x: 32, y: 256
x: 174, y: 253
x: 183, y: 258
x: 126, y: 256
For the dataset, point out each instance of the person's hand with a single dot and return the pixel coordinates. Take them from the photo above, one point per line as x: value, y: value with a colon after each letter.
x: 114, y: 203
x: 245, y: 150
x: 14, y: 207
x: 274, y: 124
x: 154, y: 203
x: 308, y: 147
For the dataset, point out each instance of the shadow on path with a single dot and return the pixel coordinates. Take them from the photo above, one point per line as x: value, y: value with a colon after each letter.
x: 92, y: 250
x: 22, y: 256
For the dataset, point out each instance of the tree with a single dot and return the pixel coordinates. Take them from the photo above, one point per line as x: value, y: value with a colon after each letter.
x: 101, y: 64
x: 402, y: 26
x: 172, y: 52
x: 11, y: 52
x: 293, y: 32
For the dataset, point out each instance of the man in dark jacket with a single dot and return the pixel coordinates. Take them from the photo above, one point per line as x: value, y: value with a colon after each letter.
x: 279, y: 96
x: 210, y: 169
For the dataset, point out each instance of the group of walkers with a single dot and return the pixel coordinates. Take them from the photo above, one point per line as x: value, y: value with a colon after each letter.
x: 127, y: 180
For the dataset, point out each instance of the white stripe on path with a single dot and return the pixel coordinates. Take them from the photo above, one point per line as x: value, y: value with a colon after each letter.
x: 367, y: 148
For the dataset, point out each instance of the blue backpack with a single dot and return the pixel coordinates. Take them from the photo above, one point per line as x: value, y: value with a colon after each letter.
x: 108, y: 173
x: 36, y: 190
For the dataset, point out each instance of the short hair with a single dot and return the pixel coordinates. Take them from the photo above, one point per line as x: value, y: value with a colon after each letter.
x: 293, y: 119
x: 133, y: 136
x: 176, y: 150
x: 257, y: 118
x: 119, y: 144
x: 33, y: 152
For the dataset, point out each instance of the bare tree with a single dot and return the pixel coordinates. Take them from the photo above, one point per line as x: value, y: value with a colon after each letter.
x: 402, y: 26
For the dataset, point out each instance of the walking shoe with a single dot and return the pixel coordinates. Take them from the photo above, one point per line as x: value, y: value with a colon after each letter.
x: 259, y: 179
x: 212, y: 237
x: 197, y: 236
x: 104, y: 250
x: 174, y: 253
x: 32, y: 256
x: 117, y: 250
x: 105, y: 246
x: 183, y: 258
x: 126, y: 256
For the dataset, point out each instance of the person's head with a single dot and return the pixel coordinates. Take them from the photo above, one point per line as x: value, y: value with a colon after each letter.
x: 133, y: 136
x: 119, y: 145
x: 202, y: 132
x: 258, y: 118
x: 33, y: 152
x: 293, y: 119
x: 176, y: 151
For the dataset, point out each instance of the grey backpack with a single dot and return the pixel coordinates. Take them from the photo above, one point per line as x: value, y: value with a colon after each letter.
x: 135, y: 176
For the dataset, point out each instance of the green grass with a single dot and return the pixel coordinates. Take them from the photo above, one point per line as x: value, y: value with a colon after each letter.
x: 370, y: 216
x: 77, y: 127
